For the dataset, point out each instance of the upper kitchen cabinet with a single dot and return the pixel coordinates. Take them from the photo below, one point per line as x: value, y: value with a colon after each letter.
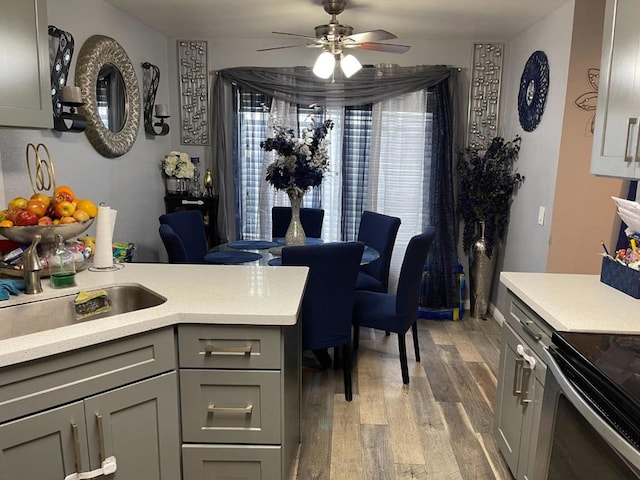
x: 25, y: 90
x: 616, y: 145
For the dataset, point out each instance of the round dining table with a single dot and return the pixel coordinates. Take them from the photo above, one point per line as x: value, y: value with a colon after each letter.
x: 265, y: 252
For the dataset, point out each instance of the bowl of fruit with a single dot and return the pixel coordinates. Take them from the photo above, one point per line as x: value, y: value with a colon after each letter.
x: 47, y: 216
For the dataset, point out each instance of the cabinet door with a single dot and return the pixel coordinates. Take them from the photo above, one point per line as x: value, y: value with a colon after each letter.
x: 138, y: 425
x: 616, y: 147
x: 532, y: 422
x: 508, y: 416
x: 25, y: 90
x: 44, y: 446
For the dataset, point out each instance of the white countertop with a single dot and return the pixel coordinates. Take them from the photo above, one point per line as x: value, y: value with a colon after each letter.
x: 214, y: 294
x: 575, y: 302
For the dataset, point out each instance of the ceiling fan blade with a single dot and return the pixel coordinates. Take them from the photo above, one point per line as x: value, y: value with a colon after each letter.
x: 372, y: 36
x: 285, y: 46
x: 379, y: 47
x: 314, y: 39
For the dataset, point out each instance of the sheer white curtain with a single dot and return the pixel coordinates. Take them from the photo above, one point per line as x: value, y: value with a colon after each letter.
x: 397, y: 168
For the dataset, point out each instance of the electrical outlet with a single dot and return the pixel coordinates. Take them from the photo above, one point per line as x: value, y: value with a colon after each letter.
x: 541, y: 211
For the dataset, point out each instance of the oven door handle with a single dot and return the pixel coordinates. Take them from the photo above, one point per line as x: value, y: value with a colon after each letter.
x: 613, y: 438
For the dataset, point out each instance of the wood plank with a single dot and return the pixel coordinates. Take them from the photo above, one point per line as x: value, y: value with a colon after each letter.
x: 499, y: 467
x: 473, y: 401
x: 403, y: 428
x: 437, y: 330
x: 462, y: 342
x: 411, y: 472
x: 426, y: 413
x: 346, y: 455
x: 317, y: 418
x: 371, y: 392
x: 443, y: 389
x: 469, y: 454
x: 489, y: 353
x: 377, y: 456
x: 485, y: 380
x: 440, y: 460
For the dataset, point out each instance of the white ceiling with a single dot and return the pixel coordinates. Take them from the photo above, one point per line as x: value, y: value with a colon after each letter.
x: 410, y: 20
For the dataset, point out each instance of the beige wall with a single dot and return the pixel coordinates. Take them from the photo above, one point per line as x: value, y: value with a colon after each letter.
x: 583, y: 213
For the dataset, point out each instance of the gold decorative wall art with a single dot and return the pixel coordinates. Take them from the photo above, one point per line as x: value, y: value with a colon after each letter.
x: 194, y: 98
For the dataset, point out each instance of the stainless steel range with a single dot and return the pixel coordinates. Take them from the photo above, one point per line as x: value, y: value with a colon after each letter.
x: 590, y: 422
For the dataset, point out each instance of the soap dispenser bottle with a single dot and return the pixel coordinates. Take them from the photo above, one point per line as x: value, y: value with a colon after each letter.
x: 62, y: 266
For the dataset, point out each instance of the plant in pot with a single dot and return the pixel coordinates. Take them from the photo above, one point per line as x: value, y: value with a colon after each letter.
x: 487, y: 183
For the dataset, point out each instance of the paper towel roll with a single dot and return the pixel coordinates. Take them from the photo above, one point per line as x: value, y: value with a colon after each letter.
x: 103, y: 256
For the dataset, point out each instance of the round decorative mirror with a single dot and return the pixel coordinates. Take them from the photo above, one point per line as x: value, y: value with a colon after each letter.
x: 112, y: 98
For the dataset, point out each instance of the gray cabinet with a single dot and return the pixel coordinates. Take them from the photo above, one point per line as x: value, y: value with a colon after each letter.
x: 74, y: 410
x: 520, y: 389
x: 240, y: 401
x: 25, y: 90
x: 616, y: 140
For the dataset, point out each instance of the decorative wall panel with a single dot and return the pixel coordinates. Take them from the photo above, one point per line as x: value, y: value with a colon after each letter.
x: 194, y: 98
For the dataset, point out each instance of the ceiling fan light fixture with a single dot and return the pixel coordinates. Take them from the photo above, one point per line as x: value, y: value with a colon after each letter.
x: 324, y: 65
x: 350, y: 65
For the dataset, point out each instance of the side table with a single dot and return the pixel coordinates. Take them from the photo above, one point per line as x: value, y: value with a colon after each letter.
x: 207, y: 205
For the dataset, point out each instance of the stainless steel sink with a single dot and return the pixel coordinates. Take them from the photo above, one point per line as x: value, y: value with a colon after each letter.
x: 57, y: 312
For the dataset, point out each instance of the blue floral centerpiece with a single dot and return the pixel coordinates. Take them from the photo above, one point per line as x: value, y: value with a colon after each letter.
x: 300, y: 164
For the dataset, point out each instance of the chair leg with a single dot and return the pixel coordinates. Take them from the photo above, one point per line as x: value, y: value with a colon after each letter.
x: 416, y: 346
x: 387, y: 333
x: 322, y: 354
x: 402, y: 348
x: 346, y: 365
x: 356, y: 337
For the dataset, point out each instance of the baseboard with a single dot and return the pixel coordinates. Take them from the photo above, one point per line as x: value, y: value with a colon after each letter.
x: 495, y: 314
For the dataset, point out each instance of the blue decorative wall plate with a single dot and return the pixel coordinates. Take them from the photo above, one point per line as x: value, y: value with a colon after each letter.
x: 534, y: 87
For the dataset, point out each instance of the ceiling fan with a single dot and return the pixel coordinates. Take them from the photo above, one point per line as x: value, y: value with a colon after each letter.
x: 334, y: 38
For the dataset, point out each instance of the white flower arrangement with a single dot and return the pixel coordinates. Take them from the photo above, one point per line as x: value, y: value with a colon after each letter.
x: 178, y: 164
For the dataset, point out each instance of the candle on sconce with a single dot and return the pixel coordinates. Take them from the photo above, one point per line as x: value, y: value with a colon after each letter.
x: 161, y: 110
x: 71, y: 94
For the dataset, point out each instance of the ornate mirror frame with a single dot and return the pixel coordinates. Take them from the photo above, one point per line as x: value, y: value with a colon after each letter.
x: 97, y: 51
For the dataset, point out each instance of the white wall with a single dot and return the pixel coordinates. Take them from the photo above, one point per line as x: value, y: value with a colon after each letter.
x: 131, y: 183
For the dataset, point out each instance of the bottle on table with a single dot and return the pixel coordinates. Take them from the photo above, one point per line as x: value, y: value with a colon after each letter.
x: 196, y: 189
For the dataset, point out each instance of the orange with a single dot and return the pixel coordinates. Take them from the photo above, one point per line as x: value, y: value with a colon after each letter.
x: 6, y: 223
x: 87, y: 206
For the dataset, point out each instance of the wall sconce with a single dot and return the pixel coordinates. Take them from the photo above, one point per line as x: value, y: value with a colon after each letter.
x: 151, y: 80
x: 61, y: 94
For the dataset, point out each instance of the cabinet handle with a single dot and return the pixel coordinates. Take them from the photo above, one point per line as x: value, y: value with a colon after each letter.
x: 526, y: 326
x: 101, y: 437
x: 192, y: 202
x: 517, y: 381
x: 526, y: 376
x: 211, y: 349
x: 631, y: 121
x: 76, y: 444
x: 243, y: 410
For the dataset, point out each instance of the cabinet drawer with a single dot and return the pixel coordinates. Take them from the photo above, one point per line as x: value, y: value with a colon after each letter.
x: 41, y: 384
x: 228, y: 406
x: 248, y: 462
x: 528, y: 325
x: 229, y: 347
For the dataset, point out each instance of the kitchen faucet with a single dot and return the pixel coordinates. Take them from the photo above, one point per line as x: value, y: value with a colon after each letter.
x: 32, y: 267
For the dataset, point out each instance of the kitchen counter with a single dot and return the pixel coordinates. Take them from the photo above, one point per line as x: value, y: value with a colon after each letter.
x: 575, y: 302
x: 207, y: 294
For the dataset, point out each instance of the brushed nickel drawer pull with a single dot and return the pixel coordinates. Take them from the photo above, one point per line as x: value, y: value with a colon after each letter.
x: 631, y: 121
x: 211, y: 349
x: 526, y: 377
x: 76, y: 444
x: 243, y: 410
x: 101, y: 437
x: 527, y: 327
x: 517, y: 381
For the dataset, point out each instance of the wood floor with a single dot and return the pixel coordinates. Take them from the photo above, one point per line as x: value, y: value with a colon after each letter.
x: 437, y: 427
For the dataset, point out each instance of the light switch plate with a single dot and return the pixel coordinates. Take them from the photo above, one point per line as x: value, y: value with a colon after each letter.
x: 541, y: 212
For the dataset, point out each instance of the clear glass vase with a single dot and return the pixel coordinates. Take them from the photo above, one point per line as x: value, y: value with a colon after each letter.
x: 295, y: 233
x: 177, y: 186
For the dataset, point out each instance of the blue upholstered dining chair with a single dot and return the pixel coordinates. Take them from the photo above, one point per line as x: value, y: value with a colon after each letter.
x: 188, y: 226
x: 397, y: 313
x: 327, y: 304
x: 311, y: 219
x: 377, y: 231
